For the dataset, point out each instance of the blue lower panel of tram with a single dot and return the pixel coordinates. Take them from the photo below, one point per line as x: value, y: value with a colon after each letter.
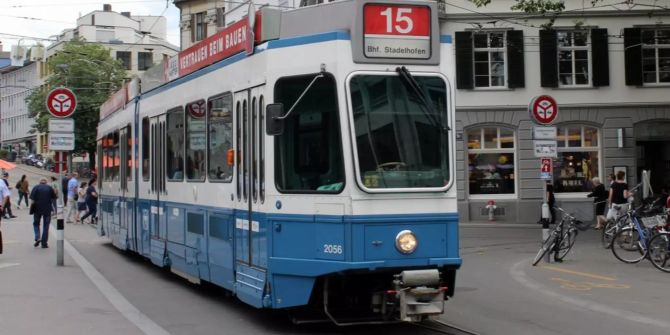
x: 288, y: 252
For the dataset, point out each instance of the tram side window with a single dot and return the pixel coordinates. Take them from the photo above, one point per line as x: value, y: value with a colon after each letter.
x: 175, y: 144
x: 220, y: 137
x: 116, y: 160
x: 129, y: 153
x: 196, y: 141
x: 106, y: 158
x: 308, y: 155
x: 145, y: 148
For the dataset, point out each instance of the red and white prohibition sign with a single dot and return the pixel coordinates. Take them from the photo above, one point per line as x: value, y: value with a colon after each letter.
x: 543, y: 109
x: 61, y: 102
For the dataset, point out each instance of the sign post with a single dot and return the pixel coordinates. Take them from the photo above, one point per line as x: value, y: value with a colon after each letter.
x: 543, y: 111
x: 61, y: 103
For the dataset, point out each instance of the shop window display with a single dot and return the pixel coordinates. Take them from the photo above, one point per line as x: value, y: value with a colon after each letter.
x: 491, y: 165
x: 578, y: 159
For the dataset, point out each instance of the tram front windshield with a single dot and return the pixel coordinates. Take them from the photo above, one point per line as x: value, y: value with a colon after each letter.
x: 401, y: 132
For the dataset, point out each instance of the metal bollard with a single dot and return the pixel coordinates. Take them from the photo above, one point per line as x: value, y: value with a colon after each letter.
x: 60, y: 233
x: 546, y: 216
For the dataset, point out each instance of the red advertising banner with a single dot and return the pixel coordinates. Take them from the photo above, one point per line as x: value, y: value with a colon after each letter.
x: 214, y: 48
x: 114, y: 102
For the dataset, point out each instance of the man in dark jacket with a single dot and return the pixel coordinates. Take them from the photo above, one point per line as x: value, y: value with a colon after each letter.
x: 42, y: 196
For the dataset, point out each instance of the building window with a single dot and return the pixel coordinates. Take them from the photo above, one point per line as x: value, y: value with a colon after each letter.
x: 199, y: 27
x: 491, y: 161
x: 578, y: 158
x: 489, y: 59
x: 656, y: 56
x: 573, y: 58
x: 144, y: 60
x: 124, y: 57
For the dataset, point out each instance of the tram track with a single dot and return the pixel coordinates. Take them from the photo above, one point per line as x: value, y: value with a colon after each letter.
x: 442, y: 327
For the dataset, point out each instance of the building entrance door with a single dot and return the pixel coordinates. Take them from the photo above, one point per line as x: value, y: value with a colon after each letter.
x: 653, y: 152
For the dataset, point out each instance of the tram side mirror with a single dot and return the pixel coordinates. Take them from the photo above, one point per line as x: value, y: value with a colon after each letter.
x: 274, y: 122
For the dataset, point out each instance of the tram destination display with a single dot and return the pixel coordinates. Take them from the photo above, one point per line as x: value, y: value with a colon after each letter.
x: 397, y: 31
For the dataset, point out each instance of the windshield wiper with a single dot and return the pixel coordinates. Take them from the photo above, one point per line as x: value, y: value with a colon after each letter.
x: 428, y: 109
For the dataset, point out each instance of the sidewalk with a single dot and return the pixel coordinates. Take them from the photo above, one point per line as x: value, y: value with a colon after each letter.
x: 38, y: 297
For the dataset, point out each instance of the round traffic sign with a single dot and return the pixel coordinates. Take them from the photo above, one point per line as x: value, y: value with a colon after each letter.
x: 197, y: 109
x: 543, y: 109
x: 61, y: 102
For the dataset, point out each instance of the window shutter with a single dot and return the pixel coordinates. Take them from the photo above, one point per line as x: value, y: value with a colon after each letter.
x: 548, y: 58
x: 192, y: 28
x: 600, y: 58
x: 515, y: 62
x: 464, y: 76
x: 632, y: 39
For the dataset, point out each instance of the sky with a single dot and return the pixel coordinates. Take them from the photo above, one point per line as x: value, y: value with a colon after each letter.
x: 46, y: 18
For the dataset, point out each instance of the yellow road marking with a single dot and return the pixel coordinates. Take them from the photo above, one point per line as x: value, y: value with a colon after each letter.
x: 586, y: 286
x: 578, y: 273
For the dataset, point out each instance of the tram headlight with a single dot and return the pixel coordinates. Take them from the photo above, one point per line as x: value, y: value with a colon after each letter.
x: 406, y: 242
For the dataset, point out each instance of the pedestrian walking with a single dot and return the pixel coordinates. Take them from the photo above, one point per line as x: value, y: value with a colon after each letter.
x: 91, y: 203
x: 56, y: 186
x: 618, y: 196
x: 551, y: 201
x: 7, y: 203
x: 599, y: 196
x: 63, y: 183
x: 81, y: 200
x: 42, y: 197
x: 23, y: 188
x: 4, y: 198
x: 71, y: 207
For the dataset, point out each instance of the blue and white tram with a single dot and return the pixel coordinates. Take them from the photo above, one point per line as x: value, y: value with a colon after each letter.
x: 315, y: 171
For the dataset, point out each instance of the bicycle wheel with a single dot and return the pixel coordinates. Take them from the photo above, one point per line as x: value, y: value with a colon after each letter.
x: 547, y: 245
x: 627, y: 246
x: 607, y: 233
x: 566, y: 244
x: 659, y: 251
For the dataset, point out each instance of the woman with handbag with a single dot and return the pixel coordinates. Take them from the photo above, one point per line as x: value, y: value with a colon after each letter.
x: 23, y: 188
x: 618, y: 196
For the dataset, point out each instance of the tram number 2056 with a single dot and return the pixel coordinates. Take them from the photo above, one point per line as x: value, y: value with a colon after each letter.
x: 332, y: 249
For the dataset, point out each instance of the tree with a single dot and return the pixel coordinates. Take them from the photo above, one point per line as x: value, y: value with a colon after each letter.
x: 93, y: 75
x: 551, y: 8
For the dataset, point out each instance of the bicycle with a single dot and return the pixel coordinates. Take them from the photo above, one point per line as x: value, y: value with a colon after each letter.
x: 631, y: 244
x: 560, y: 240
x: 612, y: 227
x: 659, y: 245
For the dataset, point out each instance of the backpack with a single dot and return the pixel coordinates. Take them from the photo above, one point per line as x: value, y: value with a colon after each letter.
x: 18, y: 185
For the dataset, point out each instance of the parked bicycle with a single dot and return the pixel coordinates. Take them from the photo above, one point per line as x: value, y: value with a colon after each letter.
x: 631, y: 243
x: 659, y: 245
x: 561, y: 238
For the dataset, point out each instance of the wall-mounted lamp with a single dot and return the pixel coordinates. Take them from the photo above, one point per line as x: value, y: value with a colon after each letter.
x: 619, y: 137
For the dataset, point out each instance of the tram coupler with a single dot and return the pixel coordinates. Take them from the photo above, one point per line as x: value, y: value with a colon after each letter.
x: 419, y: 294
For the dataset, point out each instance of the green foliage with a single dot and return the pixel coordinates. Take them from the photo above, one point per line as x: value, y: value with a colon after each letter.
x: 552, y: 8
x: 3, y: 153
x: 92, y: 74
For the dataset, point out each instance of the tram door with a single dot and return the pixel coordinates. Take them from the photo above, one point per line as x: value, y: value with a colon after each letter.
x: 157, y: 218
x: 248, y: 146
